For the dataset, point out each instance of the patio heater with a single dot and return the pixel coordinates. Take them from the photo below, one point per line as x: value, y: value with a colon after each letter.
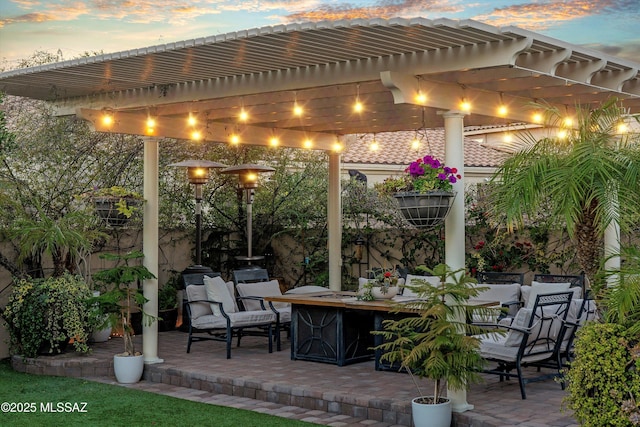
x: 248, y: 176
x: 198, y: 172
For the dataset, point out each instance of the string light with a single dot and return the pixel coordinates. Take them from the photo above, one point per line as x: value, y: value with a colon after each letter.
x: 357, y: 106
x: 192, y: 120
x: 465, y: 105
x: 234, y: 139
x: 415, y: 143
x: 244, y: 115
x: 562, y: 134
x: 374, y: 146
x: 107, y: 119
x: 151, y: 125
x: 622, y: 128
x: 502, y: 108
x: 274, y: 142
x: 297, y: 108
x: 337, y: 147
x: 537, y: 117
x: 196, y: 135
x: 308, y: 144
x: 568, y: 120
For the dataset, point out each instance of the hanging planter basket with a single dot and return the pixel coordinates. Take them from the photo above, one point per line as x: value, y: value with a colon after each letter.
x: 107, y: 209
x: 425, y: 209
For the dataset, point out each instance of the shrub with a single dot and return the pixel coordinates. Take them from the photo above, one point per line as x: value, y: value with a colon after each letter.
x: 604, y: 381
x: 44, y: 313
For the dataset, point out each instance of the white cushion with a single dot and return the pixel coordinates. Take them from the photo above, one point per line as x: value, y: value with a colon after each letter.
x: 498, y: 292
x: 414, y: 280
x: 218, y: 290
x: 521, y: 321
x: 198, y: 309
x: 529, y: 293
x: 260, y: 289
x: 363, y: 281
x: 237, y: 319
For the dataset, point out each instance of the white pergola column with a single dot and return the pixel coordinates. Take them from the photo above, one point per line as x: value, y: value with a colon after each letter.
x: 150, y: 249
x: 454, y: 223
x: 612, y: 248
x: 334, y: 219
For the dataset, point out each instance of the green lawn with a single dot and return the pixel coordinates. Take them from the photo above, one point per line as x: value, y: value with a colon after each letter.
x: 110, y: 405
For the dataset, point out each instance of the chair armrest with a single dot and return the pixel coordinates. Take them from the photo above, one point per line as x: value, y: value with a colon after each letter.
x: 259, y: 299
x: 188, y: 303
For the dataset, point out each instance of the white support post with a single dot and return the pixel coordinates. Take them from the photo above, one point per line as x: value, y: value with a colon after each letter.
x: 334, y: 219
x: 612, y: 248
x: 150, y: 249
x: 454, y: 223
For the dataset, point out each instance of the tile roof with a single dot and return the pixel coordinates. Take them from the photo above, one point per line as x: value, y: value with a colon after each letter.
x: 395, y: 149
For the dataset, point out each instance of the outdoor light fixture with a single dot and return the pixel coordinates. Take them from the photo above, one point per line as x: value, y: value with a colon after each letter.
x: 198, y: 172
x: 248, y: 177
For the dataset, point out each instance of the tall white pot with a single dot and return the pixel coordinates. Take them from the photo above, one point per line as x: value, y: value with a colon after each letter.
x: 431, y: 415
x: 128, y: 369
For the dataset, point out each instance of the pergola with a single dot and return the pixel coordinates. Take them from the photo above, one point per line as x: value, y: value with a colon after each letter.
x: 325, y: 67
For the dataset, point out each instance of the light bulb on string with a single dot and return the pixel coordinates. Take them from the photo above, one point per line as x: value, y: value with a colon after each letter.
x: 191, y: 120
x: 374, y: 146
x: 465, y: 105
x: 358, y: 107
x: 502, y: 108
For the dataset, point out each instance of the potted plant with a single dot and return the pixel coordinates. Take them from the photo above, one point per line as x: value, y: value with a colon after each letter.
x: 42, y: 315
x: 438, y: 344
x: 425, y: 193
x: 116, y: 205
x: 124, y: 297
x: 383, y: 286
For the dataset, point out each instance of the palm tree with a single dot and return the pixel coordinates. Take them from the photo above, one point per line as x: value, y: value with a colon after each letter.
x: 588, y: 178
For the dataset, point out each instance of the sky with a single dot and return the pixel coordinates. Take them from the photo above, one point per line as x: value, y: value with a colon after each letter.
x: 71, y: 28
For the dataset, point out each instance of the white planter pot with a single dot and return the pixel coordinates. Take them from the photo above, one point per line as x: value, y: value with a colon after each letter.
x: 128, y: 369
x: 377, y: 293
x: 101, y: 335
x: 436, y: 415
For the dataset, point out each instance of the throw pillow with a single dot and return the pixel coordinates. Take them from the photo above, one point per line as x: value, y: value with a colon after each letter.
x: 260, y: 289
x: 539, y: 288
x: 520, y: 321
x: 217, y: 290
x: 198, y: 309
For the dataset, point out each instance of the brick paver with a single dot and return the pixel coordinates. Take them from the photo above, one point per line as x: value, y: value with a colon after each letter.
x: 354, y: 395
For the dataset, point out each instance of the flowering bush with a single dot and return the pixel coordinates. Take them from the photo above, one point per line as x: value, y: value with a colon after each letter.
x: 423, y: 175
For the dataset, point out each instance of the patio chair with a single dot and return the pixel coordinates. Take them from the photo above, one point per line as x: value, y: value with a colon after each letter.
x: 406, y: 288
x: 533, y: 339
x: 500, y: 277
x: 580, y: 312
x: 212, y: 310
x: 253, y: 293
x: 250, y: 275
x: 574, y: 280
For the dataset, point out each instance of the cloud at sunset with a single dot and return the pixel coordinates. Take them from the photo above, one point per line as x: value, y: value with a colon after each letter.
x: 161, y: 20
x: 539, y: 16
